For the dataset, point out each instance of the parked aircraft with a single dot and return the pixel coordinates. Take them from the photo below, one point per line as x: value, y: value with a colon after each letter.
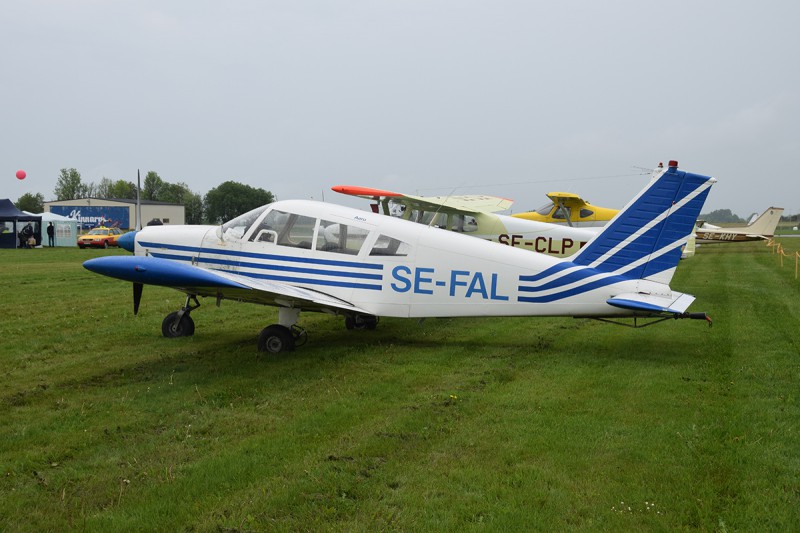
x: 476, y: 215
x: 569, y: 209
x: 560, y: 228
x: 281, y: 255
x: 762, y: 227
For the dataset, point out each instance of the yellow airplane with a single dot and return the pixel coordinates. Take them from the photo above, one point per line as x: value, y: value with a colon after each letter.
x: 569, y: 209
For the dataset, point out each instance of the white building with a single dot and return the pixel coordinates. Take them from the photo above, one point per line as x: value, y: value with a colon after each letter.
x: 121, y: 213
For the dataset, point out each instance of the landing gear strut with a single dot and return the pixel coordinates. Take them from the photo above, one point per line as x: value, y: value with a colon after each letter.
x: 179, y: 323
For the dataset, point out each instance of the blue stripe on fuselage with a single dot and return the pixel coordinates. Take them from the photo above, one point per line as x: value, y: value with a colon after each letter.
x: 254, y: 255
x: 281, y: 268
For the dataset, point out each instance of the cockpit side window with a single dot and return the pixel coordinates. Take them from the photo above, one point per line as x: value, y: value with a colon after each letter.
x: 561, y: 213
x: 340, y: 238
x: 285, y: 229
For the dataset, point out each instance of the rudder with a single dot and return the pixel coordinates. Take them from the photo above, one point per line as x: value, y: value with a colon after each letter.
x: 644, y: 239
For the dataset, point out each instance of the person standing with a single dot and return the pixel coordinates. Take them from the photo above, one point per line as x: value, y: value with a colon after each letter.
x: 51, y: 233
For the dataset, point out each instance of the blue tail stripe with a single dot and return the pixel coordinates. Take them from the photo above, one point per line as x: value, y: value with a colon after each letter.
x: 670, y: 189
x: 566, y: 279
x: 642, y: 241
x: 572, y: 292
x: 548, y: 272
x: 645, y: 245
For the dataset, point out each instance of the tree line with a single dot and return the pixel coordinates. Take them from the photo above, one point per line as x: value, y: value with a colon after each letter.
x: 219, y: 205
x: 725, y: 216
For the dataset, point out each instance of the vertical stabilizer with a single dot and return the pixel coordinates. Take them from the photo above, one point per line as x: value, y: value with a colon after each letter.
x: 766, y: 223
x: 644, y: 240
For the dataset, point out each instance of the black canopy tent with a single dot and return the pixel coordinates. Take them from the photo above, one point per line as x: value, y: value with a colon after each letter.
x: 12, y: 220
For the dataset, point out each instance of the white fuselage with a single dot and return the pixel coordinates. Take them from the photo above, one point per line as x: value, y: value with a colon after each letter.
x: 388, y: 266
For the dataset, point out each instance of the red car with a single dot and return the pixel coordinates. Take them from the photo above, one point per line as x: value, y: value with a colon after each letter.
x: 99, y: 238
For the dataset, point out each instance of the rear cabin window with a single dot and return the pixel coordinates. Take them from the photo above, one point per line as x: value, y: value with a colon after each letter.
x: 586, y: 213
x: 386, y: 245
x: 463, y: 223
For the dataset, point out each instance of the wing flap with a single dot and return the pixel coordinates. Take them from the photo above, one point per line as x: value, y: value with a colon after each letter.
x: 289, y: 295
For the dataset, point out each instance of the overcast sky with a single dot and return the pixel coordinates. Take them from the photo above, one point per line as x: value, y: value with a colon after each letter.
x: 431, y: 97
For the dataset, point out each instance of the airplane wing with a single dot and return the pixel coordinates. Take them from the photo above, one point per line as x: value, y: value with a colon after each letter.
x: 567, y: 199
x: 215, y: 283
x: 469, y: 203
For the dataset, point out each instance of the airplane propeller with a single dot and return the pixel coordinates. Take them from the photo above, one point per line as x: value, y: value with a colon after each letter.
x: 131, y: 242
x: 137, y: 297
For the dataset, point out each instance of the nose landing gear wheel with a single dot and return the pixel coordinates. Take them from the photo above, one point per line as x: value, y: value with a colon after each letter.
x: 177, y: 325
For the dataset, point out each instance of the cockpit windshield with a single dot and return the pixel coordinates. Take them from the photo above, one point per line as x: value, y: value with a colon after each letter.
x: 236, y: 228
x: 545, y: 209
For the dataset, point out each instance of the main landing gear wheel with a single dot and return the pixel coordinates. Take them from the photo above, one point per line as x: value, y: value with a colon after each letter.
x: 361, y: 322
x: 276, y: 339
x: 178, y: 324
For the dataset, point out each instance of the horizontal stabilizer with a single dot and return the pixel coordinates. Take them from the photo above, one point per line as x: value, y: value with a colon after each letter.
x: 649, y: 303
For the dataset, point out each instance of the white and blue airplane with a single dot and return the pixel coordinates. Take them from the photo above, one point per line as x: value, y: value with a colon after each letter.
x: 301, y: 255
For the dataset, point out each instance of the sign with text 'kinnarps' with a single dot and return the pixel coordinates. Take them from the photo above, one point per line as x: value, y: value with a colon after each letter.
x: 91, y: 216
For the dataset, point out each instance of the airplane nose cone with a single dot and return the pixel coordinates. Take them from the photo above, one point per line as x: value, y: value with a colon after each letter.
x: 128, y: 240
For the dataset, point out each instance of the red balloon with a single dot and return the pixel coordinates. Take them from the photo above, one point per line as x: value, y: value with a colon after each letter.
x: 21, y: 174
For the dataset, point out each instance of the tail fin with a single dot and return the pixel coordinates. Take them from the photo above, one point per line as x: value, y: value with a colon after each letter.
x: 644, y: 240
x: 766, y: 223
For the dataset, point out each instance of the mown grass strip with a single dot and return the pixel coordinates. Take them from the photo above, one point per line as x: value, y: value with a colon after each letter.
x: 517, y: 423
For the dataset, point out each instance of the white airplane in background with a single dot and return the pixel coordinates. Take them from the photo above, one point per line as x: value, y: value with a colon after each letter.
x: 762, y: 228
x: 281, y: 255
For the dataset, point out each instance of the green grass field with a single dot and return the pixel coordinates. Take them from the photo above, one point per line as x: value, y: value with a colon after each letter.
x: 452, y: 425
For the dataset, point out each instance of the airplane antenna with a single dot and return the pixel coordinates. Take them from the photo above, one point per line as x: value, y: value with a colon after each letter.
x: 138, y: 200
